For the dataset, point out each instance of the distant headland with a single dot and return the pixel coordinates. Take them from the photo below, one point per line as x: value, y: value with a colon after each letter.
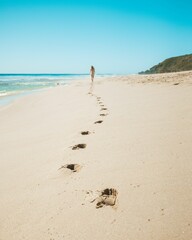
x: 174, y: 64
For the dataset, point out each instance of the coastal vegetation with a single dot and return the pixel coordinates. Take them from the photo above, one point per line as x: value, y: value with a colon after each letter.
x: 174, y: 64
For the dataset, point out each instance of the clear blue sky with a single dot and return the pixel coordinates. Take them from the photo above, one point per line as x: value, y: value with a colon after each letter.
x: 116, y: 36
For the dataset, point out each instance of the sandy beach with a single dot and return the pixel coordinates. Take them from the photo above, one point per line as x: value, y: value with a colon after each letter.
x: 133, y: 174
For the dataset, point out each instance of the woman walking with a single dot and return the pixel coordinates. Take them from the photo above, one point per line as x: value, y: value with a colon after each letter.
x: 92, y: 73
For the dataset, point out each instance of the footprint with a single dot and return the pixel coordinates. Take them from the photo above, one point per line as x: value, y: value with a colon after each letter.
x: 72, y: 167
x: 103, y: 114
x: 79, y: 146
x: 103, y: 109
x: 176, y: 84
x: 100, y: 121
x: 107, y: 197
x: 85, y: 133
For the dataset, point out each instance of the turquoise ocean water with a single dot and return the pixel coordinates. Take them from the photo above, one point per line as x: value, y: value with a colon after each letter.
x: 13, y: 86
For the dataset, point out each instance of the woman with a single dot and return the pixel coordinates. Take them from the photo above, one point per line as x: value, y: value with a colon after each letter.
x: 92, y: 73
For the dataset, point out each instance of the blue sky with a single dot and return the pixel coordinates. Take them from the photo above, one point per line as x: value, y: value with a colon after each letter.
x: 116, y: 36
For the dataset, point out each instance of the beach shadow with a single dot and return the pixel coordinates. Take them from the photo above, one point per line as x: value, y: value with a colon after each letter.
x: 91, y: 89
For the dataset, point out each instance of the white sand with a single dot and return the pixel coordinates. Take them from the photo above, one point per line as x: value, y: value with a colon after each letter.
x: 142, y: 149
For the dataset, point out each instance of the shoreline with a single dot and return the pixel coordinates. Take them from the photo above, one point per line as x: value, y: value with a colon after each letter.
x: 141, y: 149
x: 173, y: 78
x: 10, y: 96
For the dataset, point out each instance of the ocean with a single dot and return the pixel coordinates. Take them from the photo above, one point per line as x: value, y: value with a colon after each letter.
x: 16, y: 85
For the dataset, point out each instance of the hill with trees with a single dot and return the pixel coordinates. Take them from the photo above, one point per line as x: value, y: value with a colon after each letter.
x: 174, y: 64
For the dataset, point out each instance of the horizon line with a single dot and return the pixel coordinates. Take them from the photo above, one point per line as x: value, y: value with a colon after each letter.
x: 60, y: 73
